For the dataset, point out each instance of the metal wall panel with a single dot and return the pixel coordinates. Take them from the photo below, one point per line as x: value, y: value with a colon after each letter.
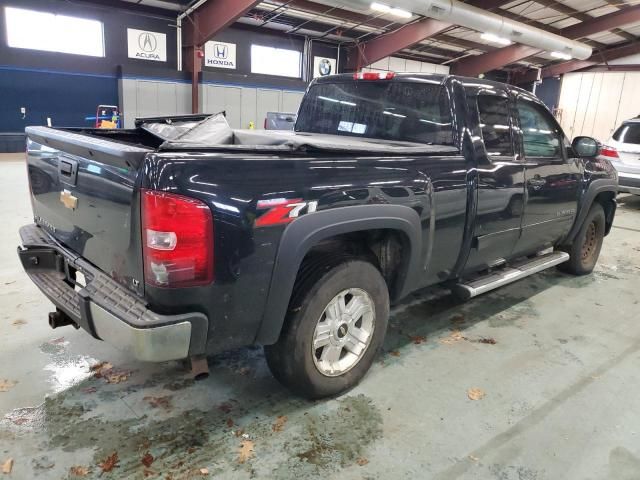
x: 267, y: 101
x: 139, y: 98
x: 595, y: 103
x: 629, y: 106
x: 248, y: 108
x: 291, y: 101
x: 146, y: 99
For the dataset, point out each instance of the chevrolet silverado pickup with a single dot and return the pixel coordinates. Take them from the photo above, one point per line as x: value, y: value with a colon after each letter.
x: 183, y: 237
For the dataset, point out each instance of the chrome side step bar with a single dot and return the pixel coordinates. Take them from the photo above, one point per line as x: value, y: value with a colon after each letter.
x: 507, y: 275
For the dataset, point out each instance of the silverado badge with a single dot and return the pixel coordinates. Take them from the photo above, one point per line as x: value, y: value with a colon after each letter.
x: 68, y: 200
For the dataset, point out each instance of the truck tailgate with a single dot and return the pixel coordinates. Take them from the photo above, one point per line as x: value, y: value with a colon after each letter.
x: 84, y: 194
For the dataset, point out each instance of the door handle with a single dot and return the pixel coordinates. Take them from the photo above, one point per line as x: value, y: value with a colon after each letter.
x: 537, y: 182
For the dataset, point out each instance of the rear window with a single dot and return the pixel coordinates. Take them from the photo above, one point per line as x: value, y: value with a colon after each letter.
x: 400, y: 111
x: 628, y: 133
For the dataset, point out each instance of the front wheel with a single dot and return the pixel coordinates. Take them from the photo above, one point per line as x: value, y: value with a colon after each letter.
x: 335, y: 325
x: 585, y: 249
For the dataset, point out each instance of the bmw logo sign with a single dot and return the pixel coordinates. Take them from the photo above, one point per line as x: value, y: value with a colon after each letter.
x: 324, y: 67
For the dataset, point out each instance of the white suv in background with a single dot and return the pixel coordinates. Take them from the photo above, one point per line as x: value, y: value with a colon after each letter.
x: 623, y: 150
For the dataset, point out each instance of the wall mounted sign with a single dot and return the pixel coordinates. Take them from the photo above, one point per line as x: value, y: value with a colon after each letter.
x: 323, y: 66
x: 147, y: 45
x: 220, y: 55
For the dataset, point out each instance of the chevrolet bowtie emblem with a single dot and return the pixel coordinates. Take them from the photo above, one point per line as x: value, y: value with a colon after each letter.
x: 68, y: 200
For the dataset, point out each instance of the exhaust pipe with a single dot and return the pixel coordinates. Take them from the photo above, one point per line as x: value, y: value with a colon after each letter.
x: 199, y: 367
x: 60, y: 319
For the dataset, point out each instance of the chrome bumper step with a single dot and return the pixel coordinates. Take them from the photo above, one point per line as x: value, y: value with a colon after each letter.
x: 509, y: 274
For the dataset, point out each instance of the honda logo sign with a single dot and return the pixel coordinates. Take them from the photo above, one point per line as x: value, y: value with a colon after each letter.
x: 220, y: 55
x: 147, y: 45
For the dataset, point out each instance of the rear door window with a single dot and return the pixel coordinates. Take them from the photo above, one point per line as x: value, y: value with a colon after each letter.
x: 390, y: 110
x: 495, y: 124
x: 628, y: 133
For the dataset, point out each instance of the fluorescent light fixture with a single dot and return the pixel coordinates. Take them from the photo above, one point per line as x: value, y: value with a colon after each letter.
x: 490, y: 37
x: 397, y: 12
x: 380, y: 7
x: 561, y: 56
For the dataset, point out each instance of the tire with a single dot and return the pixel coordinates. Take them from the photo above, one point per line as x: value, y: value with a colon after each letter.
x: 585, y: 249
x: 312, y: 313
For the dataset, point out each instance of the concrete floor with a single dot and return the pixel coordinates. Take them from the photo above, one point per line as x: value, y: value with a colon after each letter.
x: 561, y: 385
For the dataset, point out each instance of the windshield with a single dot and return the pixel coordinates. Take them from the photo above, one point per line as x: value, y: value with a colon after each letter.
x: 400, y: 111
x: 628, y: 133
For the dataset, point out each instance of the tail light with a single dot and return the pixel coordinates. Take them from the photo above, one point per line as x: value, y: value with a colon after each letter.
x: 177, y: 234
x: 610, y: 152
x: 374, y: 75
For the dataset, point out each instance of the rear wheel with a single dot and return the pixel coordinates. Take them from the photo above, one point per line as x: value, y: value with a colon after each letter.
x: 585, y: 249
x: 335, y: 325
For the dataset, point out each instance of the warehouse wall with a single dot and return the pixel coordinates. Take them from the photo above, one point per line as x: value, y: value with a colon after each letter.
x: 595, y: 103
x: 245, y: 105
x: 63, y: 87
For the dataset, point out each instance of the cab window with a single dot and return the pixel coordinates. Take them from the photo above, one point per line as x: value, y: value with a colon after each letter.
x: 541, y: 135
x: 495, y: 125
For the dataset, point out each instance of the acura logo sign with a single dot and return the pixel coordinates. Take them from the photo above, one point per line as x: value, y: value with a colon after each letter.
x: 147, y: 42
x: 145, y: 45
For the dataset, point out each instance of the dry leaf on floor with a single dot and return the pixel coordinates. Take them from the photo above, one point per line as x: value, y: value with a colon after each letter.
x: 19, y: 322
x: 417, y: 339
x: 101, y: 369
x: 279, y: 423
x: 229, y: 422
x: 117, y: 377
x: 473, y: 458
x: 246, y: 451
x: 147, y: 459
x: 7, y: 466
x: 395, y: 353
x: 454, y: 336
x: 6, y: 385
x: 362, y: 461
x: 204, y: 471
x: 109, y: 463
x: 475, y: 394
x: 488, y: 341
x: 79, y: 471
x: 159, y: 402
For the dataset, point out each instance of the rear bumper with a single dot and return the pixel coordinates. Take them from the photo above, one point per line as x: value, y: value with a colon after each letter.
x: 629, y: 182
x: 106, y: 309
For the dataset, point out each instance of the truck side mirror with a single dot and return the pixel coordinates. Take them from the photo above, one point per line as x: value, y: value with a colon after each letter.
x: 586, y: 147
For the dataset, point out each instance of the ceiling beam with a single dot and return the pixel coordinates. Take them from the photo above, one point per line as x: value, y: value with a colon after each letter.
x: 212, y: 17
x: 583, y: 17
x: 385, y: 45
x: 201, y: 26
x: 602, y: 56
x: 472, y: 66
x: 405, y: 36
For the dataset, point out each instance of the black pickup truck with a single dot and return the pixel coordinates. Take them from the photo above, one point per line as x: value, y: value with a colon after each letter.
x: 182, y: 237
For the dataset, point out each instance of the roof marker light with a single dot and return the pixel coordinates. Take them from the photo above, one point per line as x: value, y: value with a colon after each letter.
x: 374, y: 75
